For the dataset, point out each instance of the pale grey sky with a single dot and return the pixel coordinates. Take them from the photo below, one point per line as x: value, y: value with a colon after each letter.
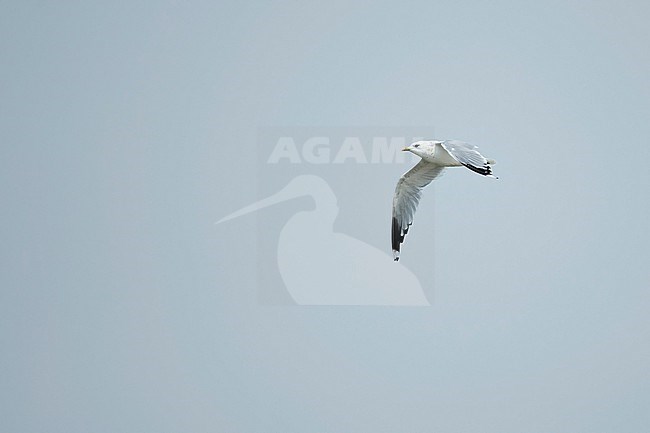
x: 123, y: 129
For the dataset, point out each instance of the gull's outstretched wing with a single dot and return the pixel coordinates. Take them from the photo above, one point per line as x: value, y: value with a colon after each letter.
x: 407, y: 195
x: 469, y: 156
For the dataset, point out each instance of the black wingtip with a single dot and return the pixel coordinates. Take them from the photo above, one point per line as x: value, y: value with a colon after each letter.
x: 486, y: 170
x: 396, y: 236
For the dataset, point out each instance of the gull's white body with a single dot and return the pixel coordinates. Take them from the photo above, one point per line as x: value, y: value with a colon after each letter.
x: 436, y: 155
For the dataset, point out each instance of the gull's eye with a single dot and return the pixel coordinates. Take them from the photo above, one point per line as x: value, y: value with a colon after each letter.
x: 416, y: 145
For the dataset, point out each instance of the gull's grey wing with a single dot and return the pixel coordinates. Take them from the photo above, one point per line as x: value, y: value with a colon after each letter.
x: 469, y: 156
x: 406, y: 199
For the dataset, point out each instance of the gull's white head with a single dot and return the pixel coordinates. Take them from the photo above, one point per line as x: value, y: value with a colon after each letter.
x: 422, y: 149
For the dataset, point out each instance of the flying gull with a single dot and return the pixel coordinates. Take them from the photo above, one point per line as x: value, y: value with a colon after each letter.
x: 436, y: 155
